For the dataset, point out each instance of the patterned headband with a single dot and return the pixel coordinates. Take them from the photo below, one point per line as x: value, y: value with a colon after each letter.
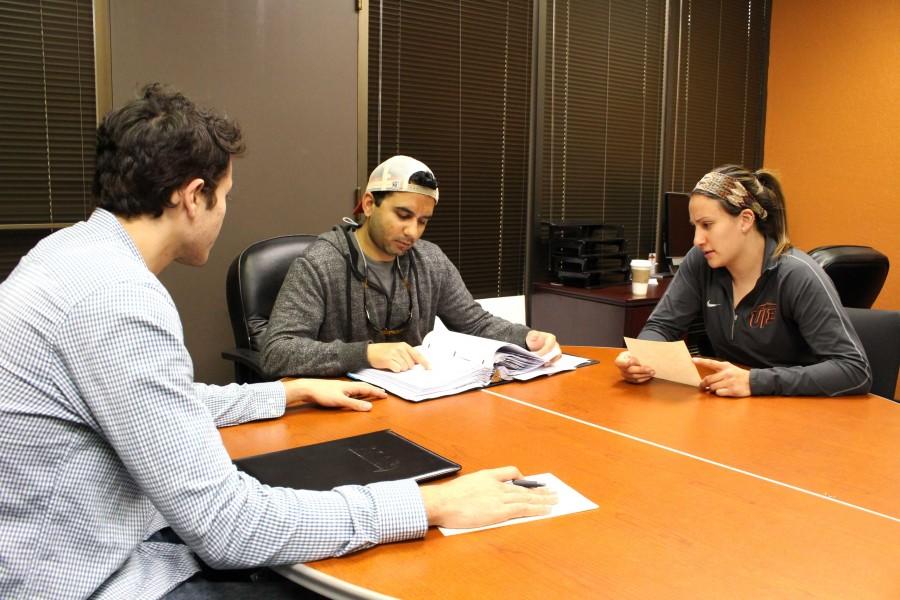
x: 731, y: 191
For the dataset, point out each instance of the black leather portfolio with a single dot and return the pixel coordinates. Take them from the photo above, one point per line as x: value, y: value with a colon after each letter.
x: 361, y: 459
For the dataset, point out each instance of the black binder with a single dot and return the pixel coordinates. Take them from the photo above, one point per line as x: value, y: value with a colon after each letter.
x: 378, y: 456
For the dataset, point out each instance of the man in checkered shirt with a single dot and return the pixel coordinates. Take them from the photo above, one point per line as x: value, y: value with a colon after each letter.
x: 113, y: 480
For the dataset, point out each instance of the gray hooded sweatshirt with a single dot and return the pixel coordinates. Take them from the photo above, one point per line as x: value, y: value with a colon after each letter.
x: 318, y: 326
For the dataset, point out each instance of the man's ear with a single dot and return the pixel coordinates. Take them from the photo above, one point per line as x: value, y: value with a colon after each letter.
x: 368, y: 204
x: 189, y: 196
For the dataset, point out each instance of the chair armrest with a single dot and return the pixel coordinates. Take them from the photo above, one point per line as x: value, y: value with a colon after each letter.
x: 246, y: 358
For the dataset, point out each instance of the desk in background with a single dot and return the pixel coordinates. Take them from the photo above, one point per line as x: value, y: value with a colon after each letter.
x: 699, y: 496
x: 593, y: 317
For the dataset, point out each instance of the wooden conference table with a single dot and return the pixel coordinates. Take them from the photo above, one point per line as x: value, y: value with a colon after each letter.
x: 700, y: 497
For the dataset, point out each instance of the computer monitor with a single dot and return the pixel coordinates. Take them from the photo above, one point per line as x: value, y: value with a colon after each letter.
x: 676, y: 228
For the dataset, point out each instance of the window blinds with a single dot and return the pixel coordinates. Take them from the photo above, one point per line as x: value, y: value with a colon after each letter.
x: 449, y: 84
x: 47, y: 120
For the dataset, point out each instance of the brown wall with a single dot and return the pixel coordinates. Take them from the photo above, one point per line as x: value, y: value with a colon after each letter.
x: 287, y: 71
x: 833, y: 124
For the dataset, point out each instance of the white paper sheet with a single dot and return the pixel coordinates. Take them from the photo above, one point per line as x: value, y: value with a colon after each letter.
x: 671, y: 360
x: 446, y: 377
x: 570, y: 501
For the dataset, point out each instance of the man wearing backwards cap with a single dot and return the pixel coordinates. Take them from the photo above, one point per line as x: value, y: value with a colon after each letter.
x: 363, y: 296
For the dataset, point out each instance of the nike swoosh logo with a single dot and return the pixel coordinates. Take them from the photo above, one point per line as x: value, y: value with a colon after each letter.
x: 710, y: 304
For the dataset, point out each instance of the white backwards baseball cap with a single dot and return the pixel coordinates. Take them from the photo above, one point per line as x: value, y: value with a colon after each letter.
x: 393, y: 175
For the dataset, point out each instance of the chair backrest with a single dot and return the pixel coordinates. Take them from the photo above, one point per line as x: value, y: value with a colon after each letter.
x: 254, y: 279
x: 858, y: 272
x: 879, y: 332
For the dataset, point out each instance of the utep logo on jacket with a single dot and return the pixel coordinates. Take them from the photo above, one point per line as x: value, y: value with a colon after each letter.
x: 763, y: 314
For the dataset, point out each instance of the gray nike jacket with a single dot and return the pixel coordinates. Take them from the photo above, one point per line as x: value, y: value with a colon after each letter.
x: 791, y: 329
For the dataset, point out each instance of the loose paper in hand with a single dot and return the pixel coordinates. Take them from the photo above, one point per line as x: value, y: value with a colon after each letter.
x: 671, y: 360
x: 570, y: 501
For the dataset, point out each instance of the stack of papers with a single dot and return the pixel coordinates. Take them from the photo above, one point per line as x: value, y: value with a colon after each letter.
x: 508, y: 359
x: 566, y: 362
x: 461, y: 362
x: 446, y: 377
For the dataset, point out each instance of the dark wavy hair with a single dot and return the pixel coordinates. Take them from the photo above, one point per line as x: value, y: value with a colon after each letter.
x: 155, y: 144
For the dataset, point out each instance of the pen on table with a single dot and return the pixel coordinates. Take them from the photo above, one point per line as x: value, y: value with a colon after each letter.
x: 526, y: 483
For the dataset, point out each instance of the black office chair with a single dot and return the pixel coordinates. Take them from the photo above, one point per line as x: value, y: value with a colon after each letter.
x: 858, y: 272
x: 879, y: 332
x: 254, y: 279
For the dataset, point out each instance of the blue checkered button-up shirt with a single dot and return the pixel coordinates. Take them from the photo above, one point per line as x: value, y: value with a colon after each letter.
x: 105, y: 439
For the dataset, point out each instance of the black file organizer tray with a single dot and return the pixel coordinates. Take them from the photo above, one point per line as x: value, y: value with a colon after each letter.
x: 585, y: 253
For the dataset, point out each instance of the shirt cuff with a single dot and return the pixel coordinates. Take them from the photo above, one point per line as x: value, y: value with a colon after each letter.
x: 762, y: 382
x: 355, y: 355
x: 649, y: 334
x: 270, y: 400
x: 521, y: 335
x: 400, y: 510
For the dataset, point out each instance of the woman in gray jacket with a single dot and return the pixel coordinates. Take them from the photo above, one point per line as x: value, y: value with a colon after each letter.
x: 765, y: 304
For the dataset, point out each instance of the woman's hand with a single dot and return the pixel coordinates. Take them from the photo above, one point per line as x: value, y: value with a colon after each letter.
x: 632, y: 370
x: 726, y: 379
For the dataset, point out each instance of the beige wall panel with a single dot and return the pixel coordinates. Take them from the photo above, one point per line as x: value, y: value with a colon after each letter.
x: 287, y: 71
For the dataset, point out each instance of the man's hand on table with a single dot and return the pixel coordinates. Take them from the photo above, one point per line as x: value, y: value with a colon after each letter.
x: 483, y: 498
x: 543, y: 344
x: 331, y: 393
x: 395, y: 357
